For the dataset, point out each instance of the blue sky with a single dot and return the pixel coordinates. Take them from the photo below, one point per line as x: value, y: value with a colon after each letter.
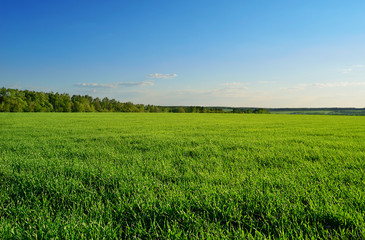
x: 210, y: 53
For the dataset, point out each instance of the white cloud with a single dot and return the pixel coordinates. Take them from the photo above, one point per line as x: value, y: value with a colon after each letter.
x: 116, y: 84
x: 267, y: 82
x: 221, y: 92
x: 325, y: 85
x: 352, y: 68
x: 230, y: 92
x: 346, y: 70
x: 161, y: 75
x: 234, y: 84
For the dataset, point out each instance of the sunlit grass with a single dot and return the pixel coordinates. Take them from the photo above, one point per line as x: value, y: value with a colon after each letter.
x: 140, y: 175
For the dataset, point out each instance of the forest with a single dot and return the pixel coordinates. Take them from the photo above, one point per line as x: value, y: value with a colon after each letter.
x: 14, y: 100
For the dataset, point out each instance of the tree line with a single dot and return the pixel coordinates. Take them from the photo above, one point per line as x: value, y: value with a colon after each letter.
x: 14, y: 100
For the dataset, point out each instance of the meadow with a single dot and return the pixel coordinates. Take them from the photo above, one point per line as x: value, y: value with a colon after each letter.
x: 181, y: 176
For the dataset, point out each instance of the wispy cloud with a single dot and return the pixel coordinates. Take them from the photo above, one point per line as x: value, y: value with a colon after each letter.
x: 266, y: 82
x: 346, y: 70
x: 352, y: 68
x: 161, y: 75
x: 116, y: 84
x: 230, y: 92
x: 220, y: 92
x: 235, y: 84
x: 325, y: 85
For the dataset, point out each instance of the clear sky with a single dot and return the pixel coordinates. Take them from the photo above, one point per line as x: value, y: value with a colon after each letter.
x: 210, y: 53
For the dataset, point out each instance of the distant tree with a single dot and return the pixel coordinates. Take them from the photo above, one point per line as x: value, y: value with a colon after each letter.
x: 129, y: 107
x: 180, y: 110
x: 105, y: 104
x: 65, y: 103
x: 87, y: 102
x: 60, y: 102
x: 97, y: 105
x: 78, y: 107
x: 14, y: 100
x: 261, y: 111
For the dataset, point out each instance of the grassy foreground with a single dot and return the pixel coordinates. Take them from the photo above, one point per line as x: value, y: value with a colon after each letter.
x: 140, y: 175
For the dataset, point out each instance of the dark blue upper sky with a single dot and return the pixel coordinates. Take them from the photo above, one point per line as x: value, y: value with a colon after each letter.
x: 237, y: 53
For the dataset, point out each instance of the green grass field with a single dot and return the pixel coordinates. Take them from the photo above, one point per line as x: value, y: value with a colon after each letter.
x: 140, y: 175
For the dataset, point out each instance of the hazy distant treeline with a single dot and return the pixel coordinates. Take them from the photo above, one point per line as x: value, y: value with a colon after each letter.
x: 14, y: 100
